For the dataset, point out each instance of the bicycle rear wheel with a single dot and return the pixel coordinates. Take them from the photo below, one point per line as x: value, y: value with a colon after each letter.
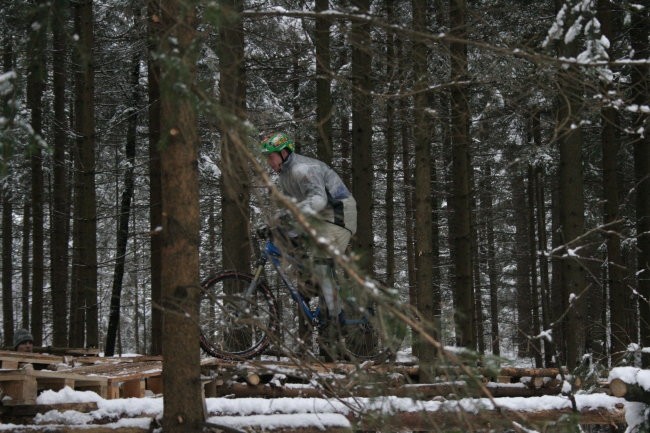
x: 373, y: 337
x: 234, y: 327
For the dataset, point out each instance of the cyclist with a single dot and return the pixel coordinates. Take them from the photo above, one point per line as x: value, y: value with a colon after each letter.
x: 319, y: 192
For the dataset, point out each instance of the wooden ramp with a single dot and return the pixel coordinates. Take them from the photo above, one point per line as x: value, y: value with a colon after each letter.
x: 111, y: 379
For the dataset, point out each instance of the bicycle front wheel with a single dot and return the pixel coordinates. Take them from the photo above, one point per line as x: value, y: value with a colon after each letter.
x: 233, y: 326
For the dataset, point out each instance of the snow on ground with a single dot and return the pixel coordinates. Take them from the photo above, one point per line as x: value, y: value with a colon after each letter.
x: 302, y: 412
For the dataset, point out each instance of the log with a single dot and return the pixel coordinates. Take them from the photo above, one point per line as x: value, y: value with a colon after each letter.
x: 252, y: 378
x: 30, y: 410
x: 303, y: 371
x: 520, y: 391
x: 242, y: 390
x: 79, y: 429
x: 423, y: 391
x: 532, y: 372
x: 628, y: 391
x: 442, y: 420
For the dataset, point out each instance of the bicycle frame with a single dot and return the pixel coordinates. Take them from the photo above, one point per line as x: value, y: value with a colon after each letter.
x: 274, y: 254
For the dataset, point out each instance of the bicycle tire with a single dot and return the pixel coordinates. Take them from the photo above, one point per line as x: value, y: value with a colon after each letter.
x: 231, y: 327
x: 375, y: 339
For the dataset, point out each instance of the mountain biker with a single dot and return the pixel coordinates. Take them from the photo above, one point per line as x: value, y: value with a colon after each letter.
x: 320, y: 193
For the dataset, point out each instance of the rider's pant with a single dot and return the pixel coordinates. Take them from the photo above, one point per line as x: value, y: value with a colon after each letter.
x: 338, y: 238
x: 324, y: 274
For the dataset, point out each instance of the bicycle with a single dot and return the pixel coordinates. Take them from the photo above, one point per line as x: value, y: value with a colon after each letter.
x: 239, y: 314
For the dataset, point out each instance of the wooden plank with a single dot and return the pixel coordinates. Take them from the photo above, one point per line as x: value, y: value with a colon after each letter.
x: 155, y: 384
x: 133, y: 388
x: 74, y: 351
x: 94, y: 360
x: 19, y: 385
x: 9, y: 364
x: 29, y: 358
x: 113, y: 390
x: 125, y: 371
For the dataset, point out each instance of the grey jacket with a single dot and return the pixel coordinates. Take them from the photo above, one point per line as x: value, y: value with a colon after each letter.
x: 318, y: 191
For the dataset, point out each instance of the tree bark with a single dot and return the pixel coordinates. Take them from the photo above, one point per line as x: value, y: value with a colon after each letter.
x: 35, y: 88
x: 59, y: 233
x: 522, y: 262
x: 323, y: 91
x: 407, y: 193
x: 155, y: 193
x: 344, y: 118
x: 571, y: 201
x: 424, y: 241
x: 390, y: 135
x: 610, y: 142
x: 639, y: 88
x: 487, y: 197
x: 362, y: 171
x: 85, y: 195
x: 542, y: 243
x: 7, y: 211
x: 25, y: 265
x: 235, y: 179
x: 460, y: 225
x: 181, y: 289
x: 532, y: 256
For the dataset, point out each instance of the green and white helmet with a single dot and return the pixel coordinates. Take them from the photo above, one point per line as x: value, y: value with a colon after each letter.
x: 276, y: 142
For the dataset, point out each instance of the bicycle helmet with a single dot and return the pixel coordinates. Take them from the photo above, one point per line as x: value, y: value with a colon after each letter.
x: 276, y: 142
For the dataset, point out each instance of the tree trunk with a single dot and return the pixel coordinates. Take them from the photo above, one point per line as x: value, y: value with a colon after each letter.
x: 181, y: 223
x: 571, y: 204
x: 362, y: 172
x: 323, y: 91
x: 344, y: 118
x: 25, y: 264
x: 639, y: 88
x: 391, y: 60
x: 235, y: 180
x: 85, y: 194
x: 125, y: 210
x: 424, y: 242
x: 557, y: 301
x: 522, y: 262
x: 35, y: 88
x: 7, y: 211
x: 610, y: 142
x: 532, y: 259
x: 407, y: 183
x: 487, y: 197
x: 59, y: 234
x: 155, y: 193
x: 542, y: 246
x: 479, y: 332
x: 460, y: 225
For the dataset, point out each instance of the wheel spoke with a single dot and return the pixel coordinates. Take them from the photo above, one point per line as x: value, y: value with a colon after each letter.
x: 233, y: 327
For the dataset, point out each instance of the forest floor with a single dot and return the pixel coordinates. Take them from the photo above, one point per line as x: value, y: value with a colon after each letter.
x: 282, y: 395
